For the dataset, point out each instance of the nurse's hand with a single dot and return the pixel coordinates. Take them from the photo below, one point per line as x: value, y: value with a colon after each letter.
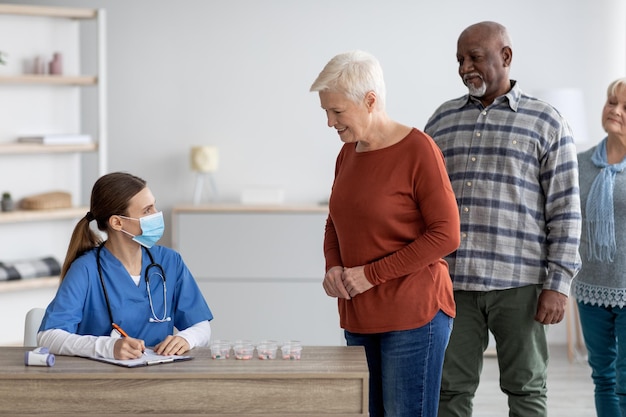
x: 128, y: 348
x: 172, y: 345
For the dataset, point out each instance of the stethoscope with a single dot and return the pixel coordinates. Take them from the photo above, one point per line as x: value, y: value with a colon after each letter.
x: 159, y: 272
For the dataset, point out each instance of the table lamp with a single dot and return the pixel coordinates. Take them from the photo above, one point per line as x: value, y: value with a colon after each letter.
x: 204, y: 162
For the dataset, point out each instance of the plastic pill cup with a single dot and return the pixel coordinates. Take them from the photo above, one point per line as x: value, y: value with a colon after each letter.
x: 243, y: 349
x: 220, y: 349
x: 266, y: 349
x: 292, y: 350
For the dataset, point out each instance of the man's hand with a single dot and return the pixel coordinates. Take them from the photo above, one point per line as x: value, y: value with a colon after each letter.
x: 551, y: 307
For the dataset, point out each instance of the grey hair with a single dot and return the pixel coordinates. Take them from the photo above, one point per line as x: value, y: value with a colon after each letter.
x: 353, y: 74
x: 613, y: 87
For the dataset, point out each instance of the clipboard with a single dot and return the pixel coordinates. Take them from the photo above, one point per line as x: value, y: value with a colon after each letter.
x: 148, y: 359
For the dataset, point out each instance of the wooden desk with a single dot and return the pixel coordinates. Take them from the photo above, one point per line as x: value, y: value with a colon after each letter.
x: 328, y: 380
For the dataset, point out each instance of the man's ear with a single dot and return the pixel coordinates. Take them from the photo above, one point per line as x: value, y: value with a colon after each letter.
x: 507, y: 56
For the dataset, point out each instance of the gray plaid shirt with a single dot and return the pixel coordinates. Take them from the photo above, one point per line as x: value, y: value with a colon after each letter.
x: 514, y: 171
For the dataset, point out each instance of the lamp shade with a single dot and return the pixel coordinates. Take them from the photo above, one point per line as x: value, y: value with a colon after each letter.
x: 204, y: 158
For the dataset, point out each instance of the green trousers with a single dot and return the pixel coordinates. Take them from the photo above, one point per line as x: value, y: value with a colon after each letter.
x: 521, y: 347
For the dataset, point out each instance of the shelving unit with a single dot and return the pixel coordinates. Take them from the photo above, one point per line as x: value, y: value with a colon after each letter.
x: 77, y: 80
x: 47, y: 104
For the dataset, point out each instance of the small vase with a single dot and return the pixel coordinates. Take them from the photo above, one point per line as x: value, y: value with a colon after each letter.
x: 56, y: 65
x: 39, y: 65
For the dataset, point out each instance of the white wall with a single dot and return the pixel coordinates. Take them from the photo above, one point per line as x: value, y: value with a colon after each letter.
x: 236, y: 73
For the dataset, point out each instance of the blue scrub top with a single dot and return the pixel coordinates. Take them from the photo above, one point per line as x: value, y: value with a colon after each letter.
x: 79, y: 305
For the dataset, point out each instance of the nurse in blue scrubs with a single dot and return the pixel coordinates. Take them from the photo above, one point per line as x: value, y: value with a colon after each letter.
x: 119, y: 295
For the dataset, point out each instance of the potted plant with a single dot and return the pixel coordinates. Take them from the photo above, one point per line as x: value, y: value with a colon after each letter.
x: 3, y: 57
x: 7, y: 202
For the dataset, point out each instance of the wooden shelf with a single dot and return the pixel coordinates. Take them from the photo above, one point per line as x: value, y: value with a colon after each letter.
x: 13, y: 148
x: 68, y: 12
x: 17, y: 216
x: 35, y: 79
x: 28, y: 284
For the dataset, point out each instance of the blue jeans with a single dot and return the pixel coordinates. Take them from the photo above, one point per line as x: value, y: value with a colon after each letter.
x: 604, y: 331
x: 405, y: 368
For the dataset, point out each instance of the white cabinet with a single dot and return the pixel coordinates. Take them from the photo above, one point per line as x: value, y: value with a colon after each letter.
x: 260, y: 269
x: 71, y: 102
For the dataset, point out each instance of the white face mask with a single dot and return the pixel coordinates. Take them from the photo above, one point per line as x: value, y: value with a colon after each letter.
x: 152, y: 227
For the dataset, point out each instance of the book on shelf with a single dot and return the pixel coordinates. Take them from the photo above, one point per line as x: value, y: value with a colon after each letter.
x: 57, y: 139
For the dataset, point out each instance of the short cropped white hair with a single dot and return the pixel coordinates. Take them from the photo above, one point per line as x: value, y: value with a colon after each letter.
x: 354, y: 74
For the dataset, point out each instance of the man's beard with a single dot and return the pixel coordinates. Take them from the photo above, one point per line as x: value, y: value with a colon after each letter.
x: 477, y: 91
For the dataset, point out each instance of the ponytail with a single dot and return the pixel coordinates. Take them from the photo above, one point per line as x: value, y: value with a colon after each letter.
x: 82, y: 240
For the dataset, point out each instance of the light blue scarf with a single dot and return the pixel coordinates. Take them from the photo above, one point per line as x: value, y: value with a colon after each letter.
x: 599, y: 219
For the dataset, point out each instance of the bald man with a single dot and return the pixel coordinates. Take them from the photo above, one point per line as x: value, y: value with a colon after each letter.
x: 512, y: 164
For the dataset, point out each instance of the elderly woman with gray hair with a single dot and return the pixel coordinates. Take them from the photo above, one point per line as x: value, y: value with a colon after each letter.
x: 392, y: 217
x: 600, y: 287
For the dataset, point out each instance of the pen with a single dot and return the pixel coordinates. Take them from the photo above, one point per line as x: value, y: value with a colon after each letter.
x: 123, y: 333
x: 157, y: 361
x: 120, y: 330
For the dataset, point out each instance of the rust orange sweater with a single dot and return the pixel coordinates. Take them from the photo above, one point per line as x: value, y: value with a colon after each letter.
x: 394, y: 211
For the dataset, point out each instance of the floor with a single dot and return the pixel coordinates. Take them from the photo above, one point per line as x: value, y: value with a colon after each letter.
x: 570, y: 389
